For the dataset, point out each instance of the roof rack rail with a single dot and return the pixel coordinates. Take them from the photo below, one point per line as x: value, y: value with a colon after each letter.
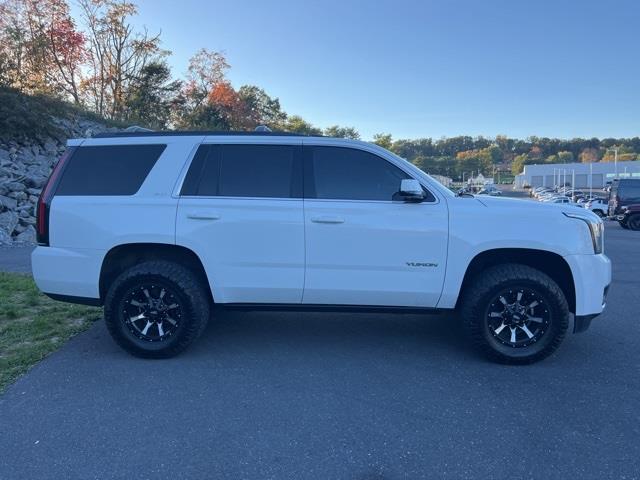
x: 186, y: 133
x: 137, y: 128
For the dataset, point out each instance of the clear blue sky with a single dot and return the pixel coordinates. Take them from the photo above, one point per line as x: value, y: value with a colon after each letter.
x: 426, y: 68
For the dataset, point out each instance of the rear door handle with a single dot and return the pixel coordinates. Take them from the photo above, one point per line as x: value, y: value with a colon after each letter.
x: 327, y: 219
x: 203, y: 216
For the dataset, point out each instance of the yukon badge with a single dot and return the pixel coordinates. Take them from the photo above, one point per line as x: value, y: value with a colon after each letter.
x: 421, y: 264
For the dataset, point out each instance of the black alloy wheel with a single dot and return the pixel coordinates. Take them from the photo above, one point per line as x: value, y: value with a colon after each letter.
x: 152, y: 312
x: 518, y: 317
x: 157, y: 308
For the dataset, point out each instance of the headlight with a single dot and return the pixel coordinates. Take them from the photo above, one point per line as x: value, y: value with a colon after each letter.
x: 596, y: 227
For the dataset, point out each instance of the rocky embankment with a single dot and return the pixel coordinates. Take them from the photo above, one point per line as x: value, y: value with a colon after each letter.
x: 25, y: 166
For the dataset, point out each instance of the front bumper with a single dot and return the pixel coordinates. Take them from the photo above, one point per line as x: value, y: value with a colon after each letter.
x: 591, y: 278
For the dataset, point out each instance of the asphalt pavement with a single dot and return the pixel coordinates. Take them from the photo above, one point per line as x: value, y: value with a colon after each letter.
x: 336, y: 396
x: 16, y: 259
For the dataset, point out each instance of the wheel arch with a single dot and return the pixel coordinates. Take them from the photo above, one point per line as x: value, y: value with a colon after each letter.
x: 552, y: 264
x: 124, y: 256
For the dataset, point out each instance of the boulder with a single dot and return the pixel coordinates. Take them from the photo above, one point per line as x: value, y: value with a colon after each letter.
x: 8, y: 203
x: 28, y: 236
x: 35, y: 180
x: 51, y: 147
x: 14, y: 186
x: 5, y: 238
x: 20, y: 196
x: 8, y: 221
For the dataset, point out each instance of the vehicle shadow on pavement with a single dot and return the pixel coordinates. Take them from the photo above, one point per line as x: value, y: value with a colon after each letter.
x: 347, y: 333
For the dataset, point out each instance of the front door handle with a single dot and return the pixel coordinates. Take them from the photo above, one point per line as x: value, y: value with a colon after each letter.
x: 203, y: 216
x: 327, y: 219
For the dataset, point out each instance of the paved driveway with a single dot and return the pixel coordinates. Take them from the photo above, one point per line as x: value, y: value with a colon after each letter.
x: 333, y: 396
x: 16, y: 259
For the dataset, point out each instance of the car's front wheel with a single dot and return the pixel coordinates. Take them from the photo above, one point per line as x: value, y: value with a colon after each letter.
x: 515, y: 314
x: 156, y: 309
x: 600, y: 213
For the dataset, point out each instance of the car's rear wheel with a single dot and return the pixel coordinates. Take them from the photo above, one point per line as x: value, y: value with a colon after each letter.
x: 515, y: 314
x: 156, y: 309
x: 633, y: 222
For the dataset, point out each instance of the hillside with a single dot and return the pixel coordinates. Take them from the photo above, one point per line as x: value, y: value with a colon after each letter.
x: 33, y: 132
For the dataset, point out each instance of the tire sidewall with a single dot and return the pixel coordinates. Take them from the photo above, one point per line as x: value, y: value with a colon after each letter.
x: 633, y: 223
x: 188, y: 291
x: 123, y: 331
x: 555, y: 322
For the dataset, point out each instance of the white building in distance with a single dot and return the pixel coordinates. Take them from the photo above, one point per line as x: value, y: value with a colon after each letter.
x: 587, y: 175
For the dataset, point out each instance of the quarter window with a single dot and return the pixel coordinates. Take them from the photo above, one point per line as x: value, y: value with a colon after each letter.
x: 108, y: 170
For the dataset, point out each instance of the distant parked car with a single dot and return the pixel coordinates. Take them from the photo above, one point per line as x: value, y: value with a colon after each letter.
x: 598, y: 206
x: 623, y: 193
x: 630, y: 218
x: 493, y: 191
x: 566, y: 200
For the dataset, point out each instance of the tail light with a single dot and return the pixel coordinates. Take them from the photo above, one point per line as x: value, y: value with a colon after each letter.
x: 44, y: 201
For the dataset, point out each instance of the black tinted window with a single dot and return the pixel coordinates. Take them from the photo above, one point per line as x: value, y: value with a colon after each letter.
x: 108, y: 170
x: 629, y: 190
x: 349, y: 174
x: 244, y: 171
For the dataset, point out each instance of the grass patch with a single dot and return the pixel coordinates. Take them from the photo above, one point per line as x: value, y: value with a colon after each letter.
x: 32, y: 325
x: 24, y: 117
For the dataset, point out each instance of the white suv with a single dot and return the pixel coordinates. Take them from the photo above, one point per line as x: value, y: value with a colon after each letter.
x: 158, y: 227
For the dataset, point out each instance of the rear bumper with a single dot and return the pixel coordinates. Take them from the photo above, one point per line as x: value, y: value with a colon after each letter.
x: 64, y: 273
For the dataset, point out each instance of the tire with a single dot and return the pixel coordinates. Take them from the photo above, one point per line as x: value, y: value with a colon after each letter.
x: 623, y: 225
x: 600, y: 213
x: 633, y: 222
x: 165, y: 323
x: 501, y: 288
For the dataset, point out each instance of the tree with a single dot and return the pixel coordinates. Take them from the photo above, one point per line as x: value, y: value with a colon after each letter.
x: 152, y: 96
x: 383, y: 140
x: 261, y: 108
x: 13, y: 45
x: 117, y: 54
x: 342, y: 132
x: 565, y: 157
x: 518, y: 164
x: 200, y: 107
x: 589, y: 155
x: 56, y: 47
x: 41, y: 51
x: 231, y: 108
x: 297, y: 124
x: 475, y: 160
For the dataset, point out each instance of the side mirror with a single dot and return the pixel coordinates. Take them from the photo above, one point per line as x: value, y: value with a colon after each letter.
x: 411, y: 190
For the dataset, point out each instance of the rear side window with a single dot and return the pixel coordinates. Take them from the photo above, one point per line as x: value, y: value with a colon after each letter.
x: 349, y: 174
x: 266, y: 171
x: 108, y: 170
x: 629, y: 190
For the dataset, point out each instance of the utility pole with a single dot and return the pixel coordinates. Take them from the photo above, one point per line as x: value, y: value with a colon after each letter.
x: 615, y: 160
x: 573, y: 186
